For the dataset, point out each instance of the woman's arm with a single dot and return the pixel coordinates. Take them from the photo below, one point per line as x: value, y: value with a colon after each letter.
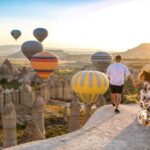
x: 131, y: 79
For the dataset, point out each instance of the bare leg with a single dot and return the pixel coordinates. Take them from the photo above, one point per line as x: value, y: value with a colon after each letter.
x: 118, y: 100
x: 113, y: 98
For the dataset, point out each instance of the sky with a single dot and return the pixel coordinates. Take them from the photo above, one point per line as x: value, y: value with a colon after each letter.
x: 115, y: 25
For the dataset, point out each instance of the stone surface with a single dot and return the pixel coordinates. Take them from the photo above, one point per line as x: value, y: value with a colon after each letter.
x: 65, y: 113
x: 74, y: 120
x: 1, y: 99
x: 67, y: 90
x: 9, y: 124
x: 32, y: 132
x: 8, y: 71
x: 60, y: 89
x: 24, y: 114
x: 38, y: 113
x: 44, y: 92
x: 105, y: 130
x: 27, y: 95
x: 87, y: 113
x: 29, y: 77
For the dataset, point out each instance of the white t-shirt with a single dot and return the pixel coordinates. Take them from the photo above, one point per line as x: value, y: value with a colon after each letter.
x: 117, y: 72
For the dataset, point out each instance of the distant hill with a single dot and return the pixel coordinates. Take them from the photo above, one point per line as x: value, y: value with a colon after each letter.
x: 142, y: 51
x: 6, y: 50
x: 14, y: 51
x: 20, y: 55
x: 59, y: 53
x: 85, y: 58
x: 17, y: 55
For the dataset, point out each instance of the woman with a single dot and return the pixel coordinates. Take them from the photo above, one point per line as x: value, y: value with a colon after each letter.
x: 144, y: 80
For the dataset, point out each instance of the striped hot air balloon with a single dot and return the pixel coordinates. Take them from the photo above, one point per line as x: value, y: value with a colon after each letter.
x: 44, y: 63
x: 101, y: 60
x: 89, y: 84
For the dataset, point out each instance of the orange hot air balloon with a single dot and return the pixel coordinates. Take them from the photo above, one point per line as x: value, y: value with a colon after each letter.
x: 44, y: 63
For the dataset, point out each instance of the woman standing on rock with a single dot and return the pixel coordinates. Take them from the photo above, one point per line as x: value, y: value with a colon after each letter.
x: 144, y: 80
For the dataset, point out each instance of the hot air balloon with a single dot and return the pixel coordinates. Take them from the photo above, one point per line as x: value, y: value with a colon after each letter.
x: 89, y: 85
x: 101, y: 60
x: 16, y: 34
x: 44, y: 63
x: 40, y: 34
x: 30, y: 48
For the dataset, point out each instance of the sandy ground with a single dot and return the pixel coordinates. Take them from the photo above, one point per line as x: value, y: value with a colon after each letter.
x: 105, y: 130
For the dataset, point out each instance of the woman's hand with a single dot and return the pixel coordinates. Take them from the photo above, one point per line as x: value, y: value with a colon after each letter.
x: 137, y: 84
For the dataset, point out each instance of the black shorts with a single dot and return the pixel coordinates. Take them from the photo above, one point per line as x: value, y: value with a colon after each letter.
x: 116, y: 89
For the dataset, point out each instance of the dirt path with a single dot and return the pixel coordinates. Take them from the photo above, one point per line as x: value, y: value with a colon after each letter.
x: 104, y: 131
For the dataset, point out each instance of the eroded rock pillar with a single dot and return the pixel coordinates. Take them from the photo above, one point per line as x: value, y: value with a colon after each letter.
x: 38, y: 113
x: 87, y: 113
x: 9, y: 122
x: 74, y: 121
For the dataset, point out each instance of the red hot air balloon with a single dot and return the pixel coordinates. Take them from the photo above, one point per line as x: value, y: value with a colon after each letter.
x: 44, y: 63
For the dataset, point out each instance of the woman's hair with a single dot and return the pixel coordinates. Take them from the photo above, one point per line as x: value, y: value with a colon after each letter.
x: 144, y: 75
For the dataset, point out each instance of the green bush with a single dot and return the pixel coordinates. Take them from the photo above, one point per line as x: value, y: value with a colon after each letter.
x: 8, y: 85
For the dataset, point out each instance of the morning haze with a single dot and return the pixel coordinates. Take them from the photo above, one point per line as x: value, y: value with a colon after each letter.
x: 74, y: 74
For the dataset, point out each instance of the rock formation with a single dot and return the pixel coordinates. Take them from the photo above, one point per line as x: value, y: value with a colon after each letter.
x: 65, y: 113
x: 9, y: 123
x: 38, y: 113
x: 1, y: 99
x: 29, y: 77
x: 101, y: 101
x: 16, y: 97
x: 44, y: 92
x: 87, y: 113
x: 67, y: 90
x: 32, y: 132
x: 104, y: 131
x: 27, y: 95
x: 74, y: 121
x: 8, y: 71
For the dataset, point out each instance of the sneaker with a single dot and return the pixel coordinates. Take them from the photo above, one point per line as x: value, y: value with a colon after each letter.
x: 117, y: 111
x: 113, y: 104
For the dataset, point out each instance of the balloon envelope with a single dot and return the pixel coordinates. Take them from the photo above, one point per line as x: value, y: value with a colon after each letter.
x: 30, y: 48
x: 89, y: 84
x: 16, y: 34
x: 40, y: 34
x: 101, y: 60
x: 44, y: 63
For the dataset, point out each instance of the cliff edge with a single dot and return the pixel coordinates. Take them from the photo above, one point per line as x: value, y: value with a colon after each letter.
x: 105, y: 130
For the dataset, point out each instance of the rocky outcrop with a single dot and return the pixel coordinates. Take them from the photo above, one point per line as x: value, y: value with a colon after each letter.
x: 1, y: 99
x: 38, y: 113
x: 24, y: 114
x: 8, y: 71
x: 105, y: 130
x: 60, y: 89
x: 32, y: 132
x: 74, y: 120
x: 27, y: 95
x: 87, y: 113
x: 9, y: 123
